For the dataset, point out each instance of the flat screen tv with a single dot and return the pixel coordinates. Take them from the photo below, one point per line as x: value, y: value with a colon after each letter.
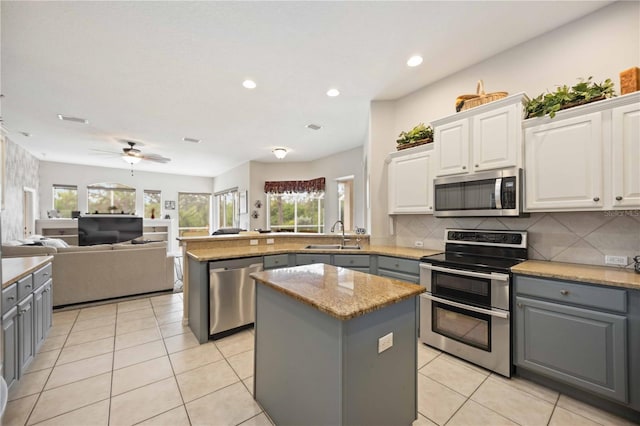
x: 108, y: 229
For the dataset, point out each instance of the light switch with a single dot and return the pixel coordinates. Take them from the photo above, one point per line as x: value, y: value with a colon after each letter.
x: 385, y: 342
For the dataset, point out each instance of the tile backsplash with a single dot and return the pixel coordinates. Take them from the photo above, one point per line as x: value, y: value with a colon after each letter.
x: 575, y: 237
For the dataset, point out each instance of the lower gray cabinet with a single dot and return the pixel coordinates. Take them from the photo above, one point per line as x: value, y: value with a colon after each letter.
x: 310, y: 258
x: 357, y: 262
x: 38, y: 320
x: 580, y: 345
x: 10, y: 350
x: 275, y: 261
x: 47, y: 305
x: 399, y: 268
x: 26, y: 331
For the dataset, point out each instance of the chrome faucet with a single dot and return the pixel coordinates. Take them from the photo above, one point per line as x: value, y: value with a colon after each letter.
x: 333, y: 228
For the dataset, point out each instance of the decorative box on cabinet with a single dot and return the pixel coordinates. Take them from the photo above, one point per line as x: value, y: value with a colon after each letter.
x: 573, y: 333
x: 410, y: 181
x: 586, y: 158
x: 487, y: 137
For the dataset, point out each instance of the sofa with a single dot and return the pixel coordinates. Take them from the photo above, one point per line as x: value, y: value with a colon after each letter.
x: 92, y: 273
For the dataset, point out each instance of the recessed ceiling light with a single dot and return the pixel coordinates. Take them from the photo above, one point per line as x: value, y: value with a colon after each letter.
x: 414, y: 61
x: 333, y: 92
x: 314, y: 126
x: 249, y: 84
x: 74, y: 119
x: 192, y: 140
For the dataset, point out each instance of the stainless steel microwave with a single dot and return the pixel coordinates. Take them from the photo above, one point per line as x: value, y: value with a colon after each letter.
x: 491, y: 193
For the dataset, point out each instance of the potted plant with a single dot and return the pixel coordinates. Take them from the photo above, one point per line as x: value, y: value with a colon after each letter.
x: 566, y: 97
x: 419, y: 135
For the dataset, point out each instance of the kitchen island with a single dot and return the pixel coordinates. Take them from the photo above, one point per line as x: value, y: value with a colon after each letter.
x: 335, y: 346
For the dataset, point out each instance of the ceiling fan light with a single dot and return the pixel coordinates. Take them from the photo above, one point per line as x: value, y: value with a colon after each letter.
x: 131, y: 159
x: 280, y: 153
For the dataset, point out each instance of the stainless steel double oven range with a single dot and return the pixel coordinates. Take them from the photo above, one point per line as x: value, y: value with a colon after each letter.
x: 466, y: 309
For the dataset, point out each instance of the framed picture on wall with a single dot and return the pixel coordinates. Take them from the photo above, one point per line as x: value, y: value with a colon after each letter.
x: 243, y: 202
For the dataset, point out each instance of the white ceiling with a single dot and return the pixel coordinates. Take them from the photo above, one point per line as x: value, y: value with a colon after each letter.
x: 156, y: 72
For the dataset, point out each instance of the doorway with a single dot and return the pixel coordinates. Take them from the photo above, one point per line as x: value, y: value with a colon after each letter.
x: 29, y: 211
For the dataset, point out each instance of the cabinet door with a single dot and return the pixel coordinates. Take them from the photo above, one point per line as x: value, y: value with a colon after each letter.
x: 626, y: 155
x: 452, y: 148
x: 25, y: 334
x: 563, y: 164
x: 38, y: 318
x: 410, y: 184
x: 10, y: 352
x: 496, y: 138
x: 48, y: 307
x: 584, y: 348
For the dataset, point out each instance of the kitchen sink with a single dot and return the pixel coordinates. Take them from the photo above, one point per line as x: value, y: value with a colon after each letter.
x: 331, y: 247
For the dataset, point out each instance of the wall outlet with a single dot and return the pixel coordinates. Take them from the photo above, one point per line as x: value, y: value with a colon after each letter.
x: 418, y: 244
x: 385, y: 342
x: 269, y: 240
x: 253, y: 242
x: 616, y: 260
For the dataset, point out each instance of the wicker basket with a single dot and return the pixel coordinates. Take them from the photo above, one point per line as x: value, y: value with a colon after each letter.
x: 482, y: 98
x: 400, y: 147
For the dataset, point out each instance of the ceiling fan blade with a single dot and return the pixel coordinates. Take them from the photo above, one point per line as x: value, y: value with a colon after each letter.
x: 155, y: 158
x: 103, y: 152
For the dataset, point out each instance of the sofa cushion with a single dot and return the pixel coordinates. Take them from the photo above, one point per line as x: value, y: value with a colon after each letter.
x: 75, y: 249
x: 26, y: 251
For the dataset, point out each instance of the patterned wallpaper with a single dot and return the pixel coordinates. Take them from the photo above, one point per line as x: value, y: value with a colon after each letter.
x: 20, y: 171
x: 575, y: 237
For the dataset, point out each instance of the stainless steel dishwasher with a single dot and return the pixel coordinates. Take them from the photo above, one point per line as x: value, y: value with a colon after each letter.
x: 232, y: 293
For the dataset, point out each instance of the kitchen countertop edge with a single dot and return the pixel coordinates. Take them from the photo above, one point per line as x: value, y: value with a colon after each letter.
x: 16, y: 268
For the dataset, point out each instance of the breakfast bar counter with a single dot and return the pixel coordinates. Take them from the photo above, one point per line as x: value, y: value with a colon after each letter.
x: 335, y: 346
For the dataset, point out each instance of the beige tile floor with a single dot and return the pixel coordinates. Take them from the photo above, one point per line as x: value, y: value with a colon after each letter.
x: 133, y: 362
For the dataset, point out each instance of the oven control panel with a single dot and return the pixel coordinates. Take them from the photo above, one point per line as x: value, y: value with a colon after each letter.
x: 486, y: 237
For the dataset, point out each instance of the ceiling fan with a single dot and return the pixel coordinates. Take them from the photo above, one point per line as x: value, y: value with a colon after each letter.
x: 133, y: 155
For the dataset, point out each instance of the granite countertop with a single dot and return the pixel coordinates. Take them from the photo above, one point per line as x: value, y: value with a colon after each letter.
x: 15, y: 268
x: 615, y: 277
x: 203, y: 255
x: 342, y: 293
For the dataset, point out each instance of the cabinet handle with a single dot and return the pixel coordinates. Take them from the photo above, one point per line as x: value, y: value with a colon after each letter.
x: 397, y: 266
x: 28, y: 286
x: 596, y: 199
x: 519, y: 305
x: 477, y: 165
x: 22, y: 311
x: 618, y: 198
x: 10, y: 298
x: 564, y: 292
x: 351, y: 262
x: 430, y: 207
x: 276, y: 262
x: 464, y: 167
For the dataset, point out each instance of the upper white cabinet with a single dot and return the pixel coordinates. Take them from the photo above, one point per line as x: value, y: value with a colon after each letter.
x: 410, y: 181
x: 483, y: 138
x: 586, y: 158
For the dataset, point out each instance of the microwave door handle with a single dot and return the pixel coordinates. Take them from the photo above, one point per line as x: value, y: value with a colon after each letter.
x: 498, y: 193
x: 491, y: 312
x: 492, y: 276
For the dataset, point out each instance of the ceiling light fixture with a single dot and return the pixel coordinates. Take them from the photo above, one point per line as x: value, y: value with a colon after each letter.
x: 314, y: 126
x: 192, y: 140
x: 131, y: 159
x: 414, y: 61
x: 333, y: 93
x: 249, y: 84
x: 280, y: 153
x: 74, y: 119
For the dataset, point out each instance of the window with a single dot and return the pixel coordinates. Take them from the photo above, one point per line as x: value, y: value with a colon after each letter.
x: 111, y: 198
x: 345, y: 202
x: 194, y: 211
x: 300, y: 212
x: 228, y: 212
x: 65, y: 199
x: 152, y: 202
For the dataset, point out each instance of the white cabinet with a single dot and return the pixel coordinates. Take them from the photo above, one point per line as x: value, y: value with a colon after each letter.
x: 586, y: 158
x: 452, y: 140
x: 410, y: 182
x: 625, y: 121
x: 563, y: 164
x: 487, y: 137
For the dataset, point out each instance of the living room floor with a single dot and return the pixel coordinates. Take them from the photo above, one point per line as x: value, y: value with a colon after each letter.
x: 133, y: 362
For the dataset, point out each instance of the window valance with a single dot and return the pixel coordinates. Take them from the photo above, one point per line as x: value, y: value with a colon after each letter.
x: 294, y: 186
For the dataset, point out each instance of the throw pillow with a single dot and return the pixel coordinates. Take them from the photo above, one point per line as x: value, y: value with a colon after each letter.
x: 54, y: 242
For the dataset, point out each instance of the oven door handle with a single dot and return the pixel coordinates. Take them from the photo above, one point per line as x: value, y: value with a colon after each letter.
x: 498, y: 193
x: 492, y: 276
x: 499, y: 314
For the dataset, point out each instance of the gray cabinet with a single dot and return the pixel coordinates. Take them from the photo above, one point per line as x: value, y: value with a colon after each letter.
x: 310, y: 258
x: 399, y: 268
x: 275, y: 261
x: 573, y: 333
x: 357, y: 262
x: 26, y: 348
x: 27, y: 307
x: 10, y: 350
